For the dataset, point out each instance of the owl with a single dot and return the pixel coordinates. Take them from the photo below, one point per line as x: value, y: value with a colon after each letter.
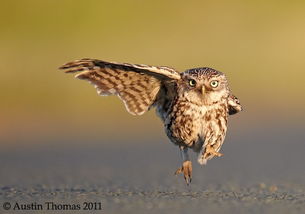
x: 193, y: 105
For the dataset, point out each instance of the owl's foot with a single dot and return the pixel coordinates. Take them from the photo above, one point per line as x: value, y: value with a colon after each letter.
x: 186, y: 168
x: 209, y: 150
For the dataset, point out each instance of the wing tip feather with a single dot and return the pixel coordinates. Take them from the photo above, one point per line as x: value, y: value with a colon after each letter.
x: 78, y: 65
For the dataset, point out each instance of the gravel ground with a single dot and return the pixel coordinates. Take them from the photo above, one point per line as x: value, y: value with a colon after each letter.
x: 138, y: 179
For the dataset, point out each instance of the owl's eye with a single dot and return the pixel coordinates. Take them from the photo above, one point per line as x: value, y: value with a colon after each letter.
x: 214, y: 83
x: 192, y: 82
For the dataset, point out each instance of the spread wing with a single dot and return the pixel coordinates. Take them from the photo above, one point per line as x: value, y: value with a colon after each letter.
x: 137, y: 85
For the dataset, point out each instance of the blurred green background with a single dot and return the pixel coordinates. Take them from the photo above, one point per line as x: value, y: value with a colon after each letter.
x: 260, y: 45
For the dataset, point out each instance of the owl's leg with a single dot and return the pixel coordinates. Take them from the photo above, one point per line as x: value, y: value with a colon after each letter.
x: 186, y: 167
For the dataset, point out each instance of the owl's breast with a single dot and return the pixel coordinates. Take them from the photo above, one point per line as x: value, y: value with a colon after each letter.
x: 215, y: 124
x: 183, y: 124
x: 192, y: 125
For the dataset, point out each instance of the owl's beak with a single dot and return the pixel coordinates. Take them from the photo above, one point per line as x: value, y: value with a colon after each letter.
x: 203, y: 90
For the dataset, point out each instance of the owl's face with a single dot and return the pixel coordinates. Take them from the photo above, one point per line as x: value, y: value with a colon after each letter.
x: 204, y: 85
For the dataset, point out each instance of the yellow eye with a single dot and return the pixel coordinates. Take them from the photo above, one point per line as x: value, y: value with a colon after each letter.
x: 214, y: 83
x: 192, y: 82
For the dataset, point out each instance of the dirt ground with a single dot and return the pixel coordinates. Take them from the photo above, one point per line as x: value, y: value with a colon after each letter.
x: 253, y: 176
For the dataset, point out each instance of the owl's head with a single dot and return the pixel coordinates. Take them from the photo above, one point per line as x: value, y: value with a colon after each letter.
x: 204, y: 85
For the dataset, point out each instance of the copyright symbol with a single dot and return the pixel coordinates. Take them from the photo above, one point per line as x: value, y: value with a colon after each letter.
x: 7, y: 205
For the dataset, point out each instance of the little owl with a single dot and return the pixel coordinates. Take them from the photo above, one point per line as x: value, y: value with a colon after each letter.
x: 193, y: 105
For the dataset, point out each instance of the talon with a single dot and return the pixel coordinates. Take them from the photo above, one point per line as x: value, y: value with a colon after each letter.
x: 211, y: 151
x: 178, y: 171
x: 187, y: 181
x: 187, y: 171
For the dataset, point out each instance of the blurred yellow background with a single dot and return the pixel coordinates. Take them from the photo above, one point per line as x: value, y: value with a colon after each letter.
x: 260, y: 45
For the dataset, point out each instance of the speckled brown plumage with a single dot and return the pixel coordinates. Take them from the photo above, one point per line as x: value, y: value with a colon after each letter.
x: 194, y: 105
